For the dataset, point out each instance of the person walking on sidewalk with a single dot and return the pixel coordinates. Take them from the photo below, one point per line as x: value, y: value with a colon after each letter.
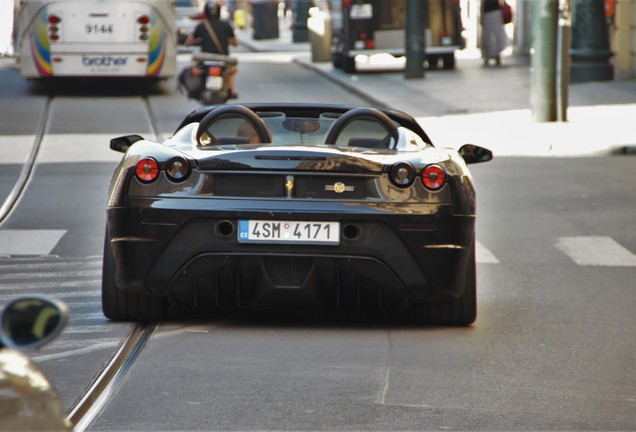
x: 493, y: 36
x: 215, y: 36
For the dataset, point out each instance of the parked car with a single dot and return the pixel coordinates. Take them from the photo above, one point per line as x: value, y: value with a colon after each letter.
x: 292, y: 205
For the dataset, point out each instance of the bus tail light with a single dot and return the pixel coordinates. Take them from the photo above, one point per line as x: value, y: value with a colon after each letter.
x: 143, y: 29
x: 54, y: 29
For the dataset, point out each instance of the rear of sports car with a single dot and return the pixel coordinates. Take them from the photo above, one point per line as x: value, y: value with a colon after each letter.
x: 301, y: 212
x: 302, y: 226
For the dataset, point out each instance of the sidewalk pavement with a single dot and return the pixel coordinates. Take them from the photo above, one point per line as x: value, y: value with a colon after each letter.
x: 485, y: 105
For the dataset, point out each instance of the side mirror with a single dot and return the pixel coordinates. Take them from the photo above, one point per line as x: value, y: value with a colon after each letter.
x: 475, y: 154
x: 30, y: 322
x: 122, y: 144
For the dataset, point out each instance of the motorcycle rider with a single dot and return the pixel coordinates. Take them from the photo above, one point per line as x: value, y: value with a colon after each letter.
x: 214, y: 36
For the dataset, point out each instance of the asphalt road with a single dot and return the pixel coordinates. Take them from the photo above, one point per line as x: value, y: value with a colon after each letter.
x: 552, y: 348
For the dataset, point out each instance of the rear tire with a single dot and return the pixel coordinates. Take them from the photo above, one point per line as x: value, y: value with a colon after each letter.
x: 454, y: 311
x: 214, y: 98
x: 119, y: 305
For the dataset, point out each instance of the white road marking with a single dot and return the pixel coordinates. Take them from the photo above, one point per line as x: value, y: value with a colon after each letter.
x: 87, y: 329
x: 51, y: 275
x: 102, y: 344
x: 29, y: 242
x: 36, y: 264
x: 58, y: 295
x: 483, y: 255
x: 68, y: 148
x: 596, y: 251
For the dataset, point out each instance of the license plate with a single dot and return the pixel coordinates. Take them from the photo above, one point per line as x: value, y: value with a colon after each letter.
x: 99, y: 28
x: 214, y: 83
x: 289, y: 232
x: 361, y: 11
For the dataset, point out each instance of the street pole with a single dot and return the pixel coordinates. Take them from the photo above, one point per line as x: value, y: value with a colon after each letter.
x: 415, y: 43
x: 563, y: 59
x: 543, y: 98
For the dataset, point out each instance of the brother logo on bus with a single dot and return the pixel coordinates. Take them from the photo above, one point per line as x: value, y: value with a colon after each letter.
x: 103, y: 61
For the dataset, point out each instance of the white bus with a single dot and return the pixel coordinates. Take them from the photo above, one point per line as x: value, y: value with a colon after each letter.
x: 96, y: 38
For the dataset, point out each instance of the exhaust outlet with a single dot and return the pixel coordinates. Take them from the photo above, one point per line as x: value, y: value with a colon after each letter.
x: 224, y: 228
x: 351, y: 232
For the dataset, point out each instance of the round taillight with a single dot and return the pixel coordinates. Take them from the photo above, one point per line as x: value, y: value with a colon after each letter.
x: 434, y: 177
x: 54, y: 19
x: 144, y: 19
x: 402, y: 174
x: 54, y: 37
x: 177, y: 169
x: 147, y: 170
x: 215, y: 71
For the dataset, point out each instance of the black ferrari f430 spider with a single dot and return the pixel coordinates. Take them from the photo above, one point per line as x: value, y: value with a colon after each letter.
x: 293, y: 206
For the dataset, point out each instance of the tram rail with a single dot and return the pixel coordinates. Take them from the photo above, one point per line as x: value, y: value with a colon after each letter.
x: 90, y: 403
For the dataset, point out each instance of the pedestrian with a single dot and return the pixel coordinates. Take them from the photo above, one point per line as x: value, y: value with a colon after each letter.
x: 493, y: 35
x: 215, y: 36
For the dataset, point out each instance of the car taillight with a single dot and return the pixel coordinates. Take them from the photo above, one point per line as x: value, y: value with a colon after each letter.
x: 434, y: 177
x: 402, y: 174
x: 147, y: 170
x: 177, y: 169
x: 214, y: 71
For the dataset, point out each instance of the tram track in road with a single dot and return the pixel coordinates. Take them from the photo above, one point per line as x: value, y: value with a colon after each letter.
x: 26, y: 172
x: 96, y: 394
x: 90, y: 404
x: 27, y: 169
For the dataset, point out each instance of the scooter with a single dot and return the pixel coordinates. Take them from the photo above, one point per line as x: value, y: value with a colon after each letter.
x: 28, y: 401
x: 206, y: 80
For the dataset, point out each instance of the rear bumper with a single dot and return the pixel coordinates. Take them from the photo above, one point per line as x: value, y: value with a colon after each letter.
x: 413, y: 256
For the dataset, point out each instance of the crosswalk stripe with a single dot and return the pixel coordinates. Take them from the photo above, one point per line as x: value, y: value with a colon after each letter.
x: 100, y: 345
x: 87, y: 329
x: 56, y: 294
x: 51, y: 275
x: 50, y: 264
x: 29, y: 242
x: 596, y: 251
